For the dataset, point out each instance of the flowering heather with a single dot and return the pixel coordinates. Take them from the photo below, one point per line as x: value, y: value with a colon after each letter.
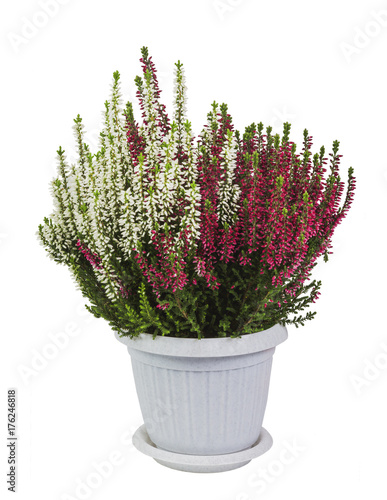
x: 211, y: 236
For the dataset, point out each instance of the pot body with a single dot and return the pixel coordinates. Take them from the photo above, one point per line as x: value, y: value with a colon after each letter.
x: 207, y: 396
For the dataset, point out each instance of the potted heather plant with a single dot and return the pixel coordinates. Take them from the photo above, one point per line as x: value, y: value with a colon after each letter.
x: 198, y: 253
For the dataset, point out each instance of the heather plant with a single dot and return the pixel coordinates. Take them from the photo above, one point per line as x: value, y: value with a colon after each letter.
x: 211, y: 236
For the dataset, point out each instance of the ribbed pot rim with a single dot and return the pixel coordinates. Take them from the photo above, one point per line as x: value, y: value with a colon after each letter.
x: 213, y: 347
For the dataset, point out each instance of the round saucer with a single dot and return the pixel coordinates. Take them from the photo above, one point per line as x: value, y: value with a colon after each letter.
x: 201, y: 463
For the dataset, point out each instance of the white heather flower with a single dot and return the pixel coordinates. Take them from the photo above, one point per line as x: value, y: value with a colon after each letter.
x: 229, y: 191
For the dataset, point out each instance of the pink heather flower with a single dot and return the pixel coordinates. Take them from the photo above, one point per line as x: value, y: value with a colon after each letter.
x: 163, y: 306
x: 93, y: 258
x: 95, y: 261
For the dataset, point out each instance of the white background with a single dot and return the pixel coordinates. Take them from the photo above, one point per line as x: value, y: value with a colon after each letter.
x: 320, y: 65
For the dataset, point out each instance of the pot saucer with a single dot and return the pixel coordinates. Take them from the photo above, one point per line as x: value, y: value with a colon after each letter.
x: 201, y: 463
